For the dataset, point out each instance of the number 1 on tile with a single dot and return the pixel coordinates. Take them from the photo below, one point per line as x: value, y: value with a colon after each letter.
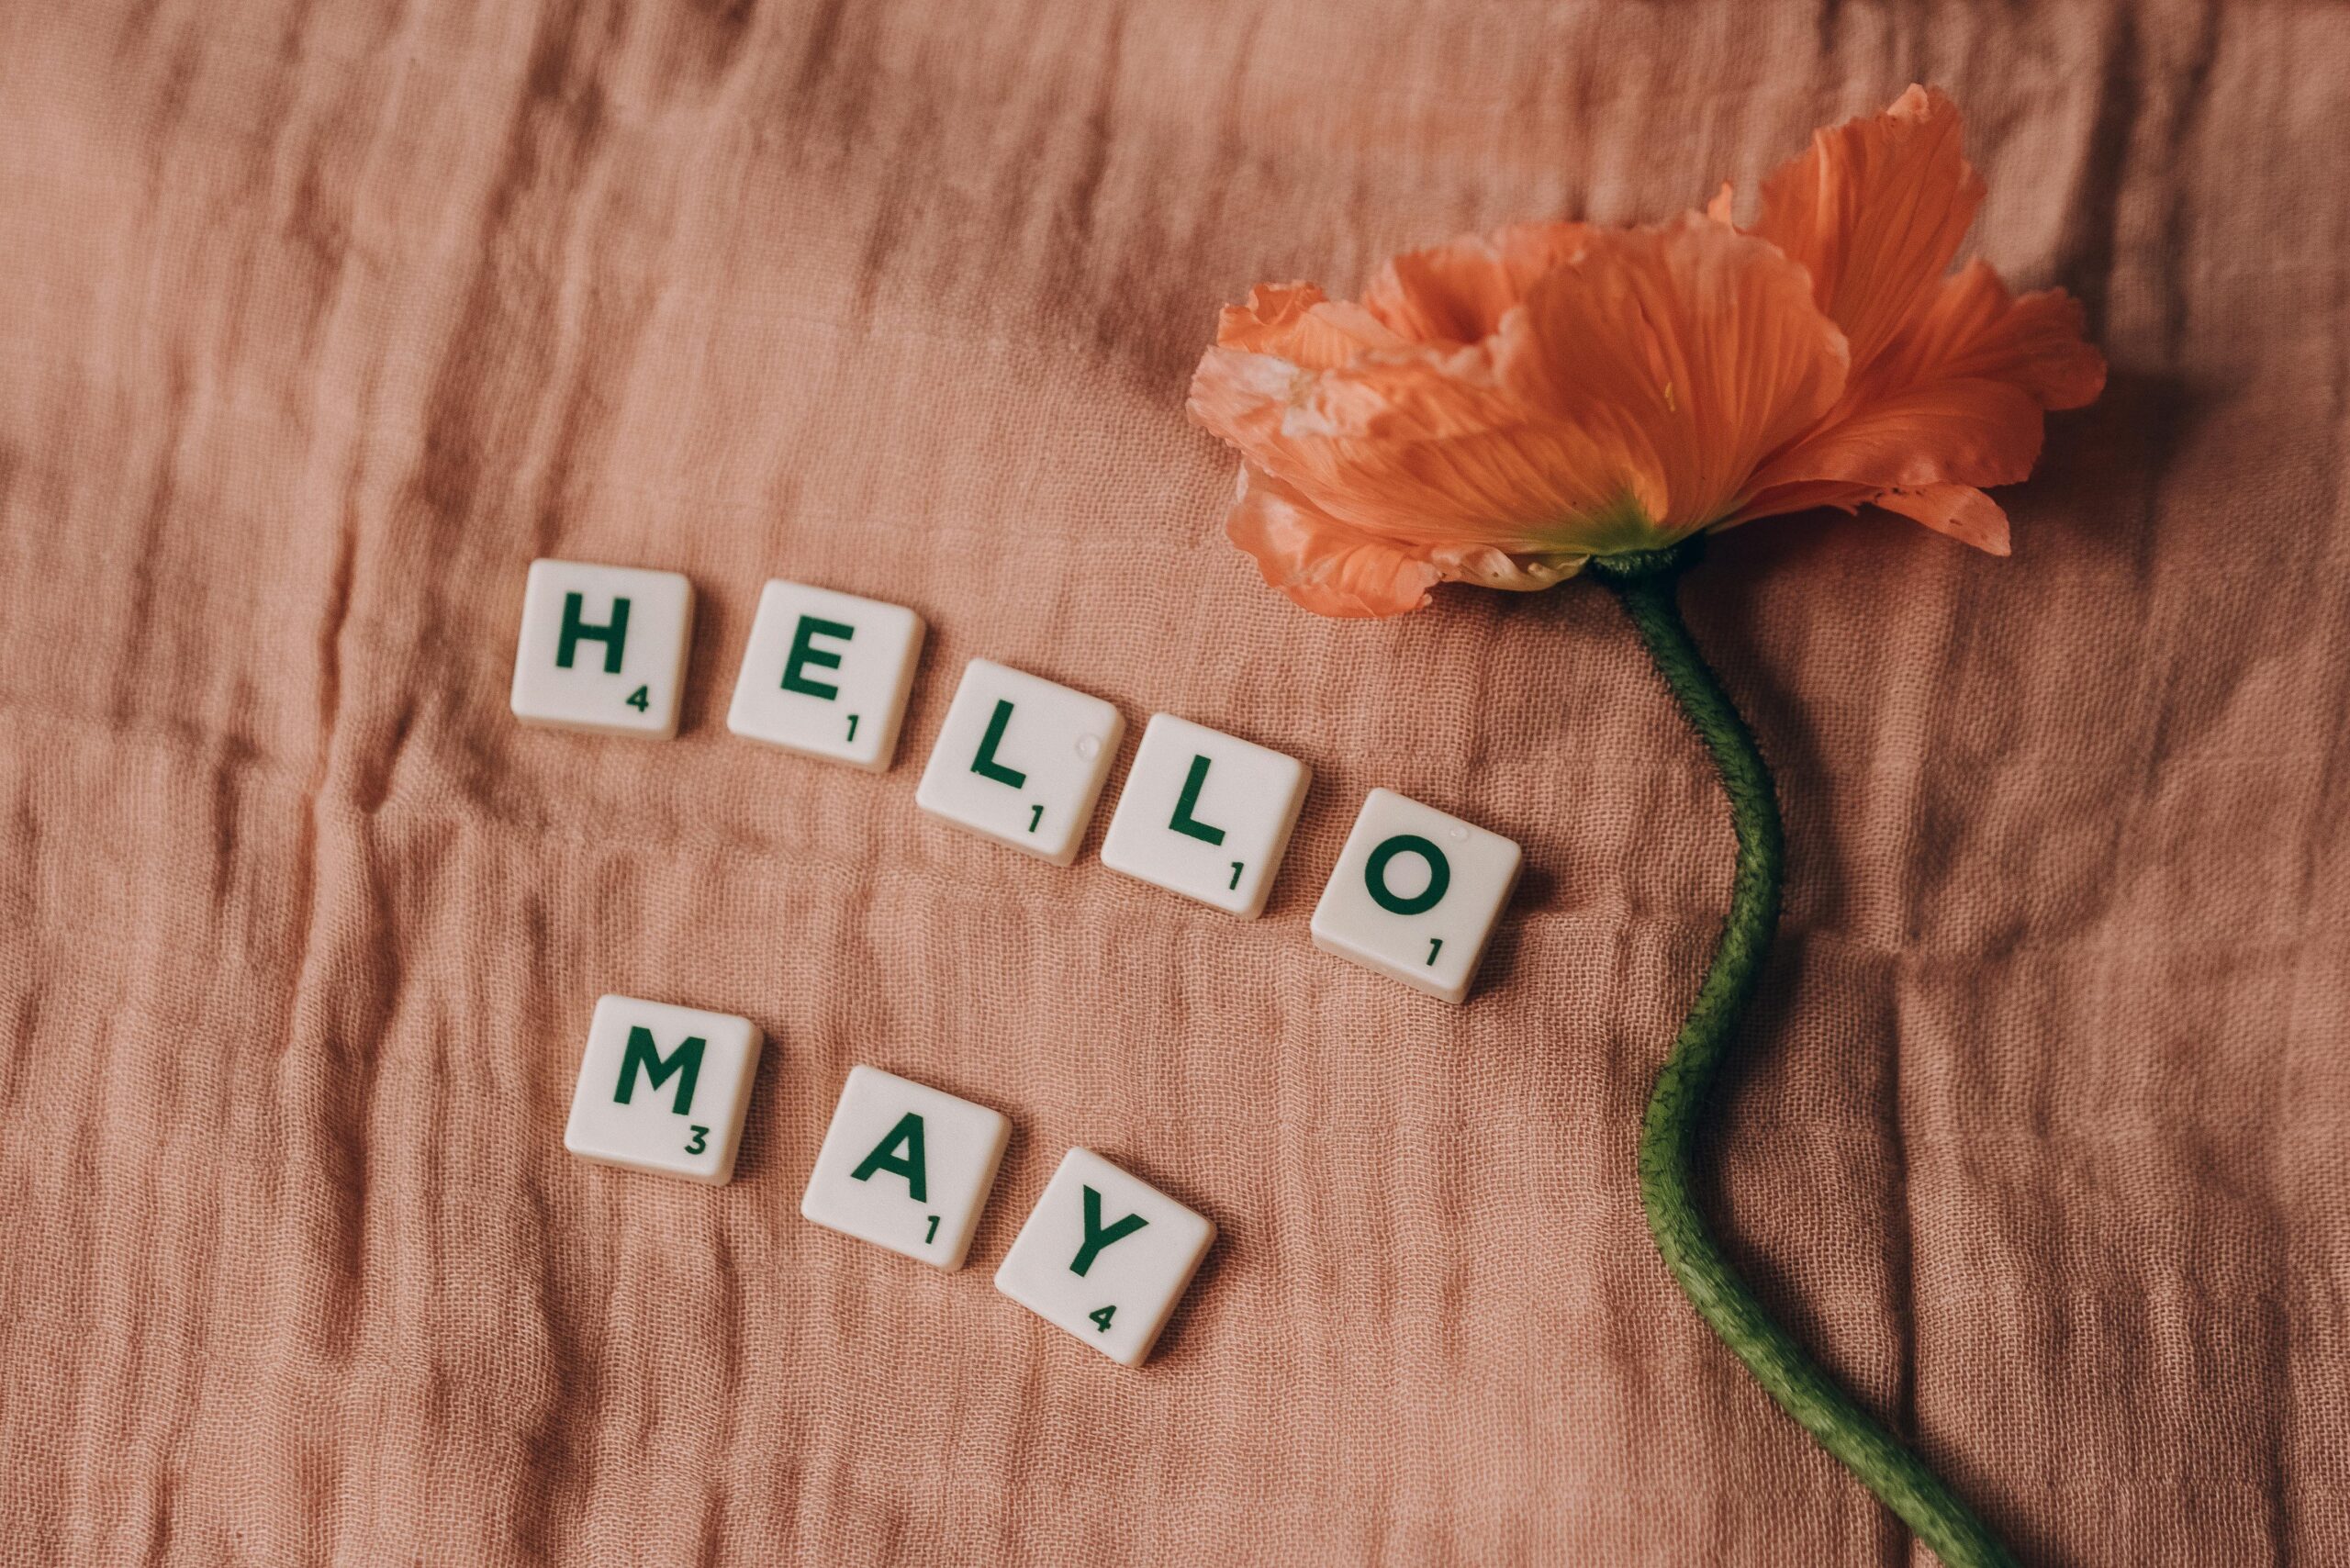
x: 895, y: 1148
x: 1204, y: 815
x: 817, y: 656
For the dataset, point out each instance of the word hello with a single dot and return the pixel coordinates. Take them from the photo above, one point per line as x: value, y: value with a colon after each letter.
x: 1415, y: 893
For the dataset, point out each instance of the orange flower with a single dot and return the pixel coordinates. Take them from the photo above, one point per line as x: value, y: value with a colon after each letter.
x: 1502, y: 409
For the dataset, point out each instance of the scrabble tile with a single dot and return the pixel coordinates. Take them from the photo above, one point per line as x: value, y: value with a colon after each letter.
x: 1415, y: 893
x: 826, y: 674
x: 603, y: 648
x: 663, y: 1089
x: 1021, y: 760
x: 1206, y: 814
x: 1105, y: 1256
x: 906, y: 1166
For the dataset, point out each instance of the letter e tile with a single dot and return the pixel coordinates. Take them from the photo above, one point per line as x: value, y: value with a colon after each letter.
x: 826, y: 674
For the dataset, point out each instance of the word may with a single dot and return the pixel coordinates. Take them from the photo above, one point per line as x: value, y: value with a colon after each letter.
x: 1021, y: 760
x: 1104, y: 1255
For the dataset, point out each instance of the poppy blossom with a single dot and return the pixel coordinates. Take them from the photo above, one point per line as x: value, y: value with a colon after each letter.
x: 1511, y: 408
x: 1502, y: 409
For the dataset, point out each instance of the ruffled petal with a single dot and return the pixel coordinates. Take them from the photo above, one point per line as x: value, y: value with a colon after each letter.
x: 1957, y: 400
x: 1974, y: 329
x: 1422, y: 447
x: 1875, y: 209
x: 1960, y: 430
x: 1297, y: 322
x: 1321, y: 563
x: 1622, y: 405
x: 1458, y: 293
x: 1963, y: 512
x: 1685, y: 354
x: 1334, y: 569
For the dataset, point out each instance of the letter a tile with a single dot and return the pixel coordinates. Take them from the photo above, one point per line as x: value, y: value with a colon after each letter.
x: 1105, y: 1256
x: 906, y: 1166
x: 663, y: 1088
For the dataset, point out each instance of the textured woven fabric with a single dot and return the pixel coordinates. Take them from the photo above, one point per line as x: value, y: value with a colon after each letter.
x: 320, y: 320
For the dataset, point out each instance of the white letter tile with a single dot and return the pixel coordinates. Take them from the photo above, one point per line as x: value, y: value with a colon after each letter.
x: 826, y: 674
x: 1021, y: 760
x: 1206, y: 814
x: 1105, y: 1257
x: 906, y: 1166
x: 663, y: 1088
x: 602, y: 649
x: 1416, y: 894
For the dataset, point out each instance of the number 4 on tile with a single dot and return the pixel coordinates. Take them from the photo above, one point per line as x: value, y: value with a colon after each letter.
x: 1104, y: 1257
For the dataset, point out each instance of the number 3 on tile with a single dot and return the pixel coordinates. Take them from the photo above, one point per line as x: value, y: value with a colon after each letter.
x: 1102, y: 1317
x: 701, y: 1140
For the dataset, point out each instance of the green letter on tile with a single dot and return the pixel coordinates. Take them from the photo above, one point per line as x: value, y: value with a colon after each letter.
x: 1098, y: 1236
x: 576, y: 630
x: 910, y: 1164
x: 643, y: 1054
x: 804, y: 652
x: 1374, y: 873
x: 985, y: 765
x: 1189, y: 801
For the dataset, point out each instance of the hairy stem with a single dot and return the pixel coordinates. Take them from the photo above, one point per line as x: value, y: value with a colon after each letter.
x: 1647, y: 584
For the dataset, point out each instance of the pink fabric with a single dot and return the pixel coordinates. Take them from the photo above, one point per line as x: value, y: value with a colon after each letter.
x: 320, y: 320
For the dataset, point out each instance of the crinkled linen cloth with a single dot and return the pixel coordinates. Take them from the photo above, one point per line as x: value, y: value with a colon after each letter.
x: 320, y: 319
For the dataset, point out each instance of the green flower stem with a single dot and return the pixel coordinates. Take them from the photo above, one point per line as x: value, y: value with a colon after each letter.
x: 1646, y: 584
